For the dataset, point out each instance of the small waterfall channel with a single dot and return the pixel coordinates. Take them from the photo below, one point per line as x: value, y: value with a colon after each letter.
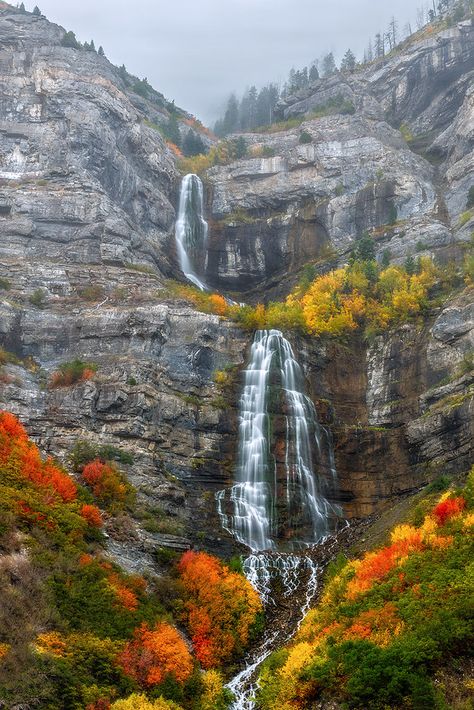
x: 279, y: 505
x: 191, y: 230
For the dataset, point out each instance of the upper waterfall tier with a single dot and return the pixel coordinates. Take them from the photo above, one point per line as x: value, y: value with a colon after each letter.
x: 279, y: 496
x: 191, y: 229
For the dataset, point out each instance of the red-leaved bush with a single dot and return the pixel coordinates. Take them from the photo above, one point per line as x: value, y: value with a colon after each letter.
x: 447, y: 509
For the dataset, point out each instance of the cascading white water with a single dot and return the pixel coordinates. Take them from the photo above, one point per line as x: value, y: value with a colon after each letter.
x: 191, y: 229
x: 255, y: 506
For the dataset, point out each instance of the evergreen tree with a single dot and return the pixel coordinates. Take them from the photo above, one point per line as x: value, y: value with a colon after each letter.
x: 386, y: 256
x: 370, y: 51
x: 69, y: 40
x: 219, y: 128
x: 348, y: 63
x: 22, y: 7
x: 409, y: 265
x: 92, y: 46
x: 171, y: 129
x: 240, y: 147
x: 37, y: 11
x: 364, y: 248
x: 101, y: 52
x: 193, y: 144
x: 313, y: 72
x: 329, y: 65
x: 392, y: 33
x: 379, y: 45
x: 231, y: 116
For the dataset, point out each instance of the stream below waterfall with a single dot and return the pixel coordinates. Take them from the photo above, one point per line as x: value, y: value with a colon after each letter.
x: 298, y: 576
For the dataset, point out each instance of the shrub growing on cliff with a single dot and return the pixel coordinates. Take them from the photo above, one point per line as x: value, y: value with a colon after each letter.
x: 108, y: 485
x: 305, y: 137
x: 70, y: 373
x: 470, y: 198
x: 38, y: 298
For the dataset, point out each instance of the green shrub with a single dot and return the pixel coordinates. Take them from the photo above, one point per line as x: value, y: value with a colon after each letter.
x: 470, y: 198
x: 392, y: 213
x: 305, y: 137
x: 69, y: 40
x: 5, y: 284
x: 465, y: 218
x: 94, y: 292
x: 439, y: 485
x: 38, y: 298
x: 85, y: 451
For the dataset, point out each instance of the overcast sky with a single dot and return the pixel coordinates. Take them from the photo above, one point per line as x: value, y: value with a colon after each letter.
x: 198, y: 51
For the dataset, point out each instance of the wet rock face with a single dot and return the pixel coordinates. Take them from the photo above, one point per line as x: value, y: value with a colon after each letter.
x: 401, y: 410
x: 273, y: 215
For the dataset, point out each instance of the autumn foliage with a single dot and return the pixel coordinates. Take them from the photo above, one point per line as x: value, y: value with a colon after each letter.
x: 361, y: 295
x: 70, y: 373
x: 221, y: 607
x: 385, y: 620
x: 106, y: 483
x: 92, y: 515
x: 154, y: 654
x: 67, y: 609
x: 448, y: 509
x: 17, y: 451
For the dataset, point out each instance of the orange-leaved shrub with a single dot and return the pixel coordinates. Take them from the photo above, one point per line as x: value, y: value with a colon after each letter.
x: 221, y: 608
x: 16, y: 450
x: 69, y: 373
x: 106, y: 483
x: 384, y: 621
x: 92, y: 515
x: 155, y: 654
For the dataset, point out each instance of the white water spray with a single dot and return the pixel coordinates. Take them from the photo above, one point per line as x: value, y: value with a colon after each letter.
x: 191, y: 229
x: 254, y: 509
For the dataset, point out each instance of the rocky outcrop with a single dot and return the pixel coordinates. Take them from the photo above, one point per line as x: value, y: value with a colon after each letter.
x: 334, y: 176
x: 272, y: 215
x: 153, y: 395
x: 83, y: 178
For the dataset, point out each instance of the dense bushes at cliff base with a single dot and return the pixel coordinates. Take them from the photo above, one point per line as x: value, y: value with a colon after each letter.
x: 386, y: 621
x: 76, y: 631
x: 361, y: 296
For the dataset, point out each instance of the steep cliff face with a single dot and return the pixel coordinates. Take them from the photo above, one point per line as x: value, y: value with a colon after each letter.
x: 83, y: 178
x: 400, y: 409
x: 354, y: 172
x: 88, y: 189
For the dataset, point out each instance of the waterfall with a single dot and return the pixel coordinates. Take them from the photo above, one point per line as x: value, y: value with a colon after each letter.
x: 191, y: 229
x: 280, y: 503
x: 263, y: 504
